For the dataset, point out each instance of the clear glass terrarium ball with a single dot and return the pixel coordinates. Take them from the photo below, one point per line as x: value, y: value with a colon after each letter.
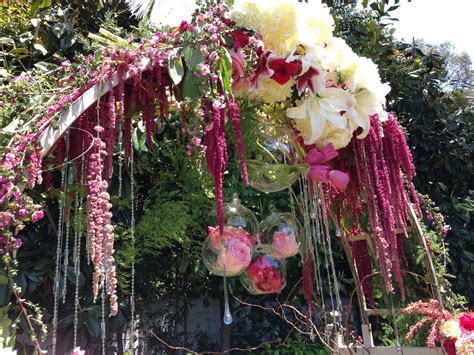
x: 229, y: 253
x: 265, y: 274
x: 238, y: 216
x: 283, y: 232
x: 274, y: 160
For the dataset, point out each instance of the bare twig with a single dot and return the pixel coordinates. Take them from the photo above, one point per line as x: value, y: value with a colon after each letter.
x: 279, y: 342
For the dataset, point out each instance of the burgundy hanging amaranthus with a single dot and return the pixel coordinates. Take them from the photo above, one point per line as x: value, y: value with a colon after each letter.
x: 216, y: 153
x: 383, y: 163
x: 234, y: 114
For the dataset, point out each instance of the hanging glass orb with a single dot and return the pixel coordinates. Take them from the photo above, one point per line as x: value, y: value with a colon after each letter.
x: 238, y: 216
x: 273, y: 163
x: 283, y: 232
x: 265, y: 274
x: 229, y: 253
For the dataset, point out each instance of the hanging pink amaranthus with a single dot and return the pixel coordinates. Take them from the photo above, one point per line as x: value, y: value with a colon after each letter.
x: 99, y: 226
x: 235, y: 116
x: 216, y: 154
x: 108, y: 121
x: 382, y: 162
x: 384, y: 190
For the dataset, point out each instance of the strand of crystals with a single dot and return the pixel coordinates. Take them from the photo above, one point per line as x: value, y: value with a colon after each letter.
x: 77, y: 247
x: 120, y: 161
x: 102, y: 322
x: 70, y: 181
x: 331, y: 260
x: 132, y: 235
x: 309, y: 244
x: 316, y: 240
x: 62, y: 205
x: 66, y: 259
x: 320, y: 226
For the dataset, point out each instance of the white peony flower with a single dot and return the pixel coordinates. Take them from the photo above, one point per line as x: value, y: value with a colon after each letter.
x: 274, y: 20
x: 338, y: 55
x: 339, y: 138
x: 269, y: 91
x: 363, y: 73
x: 315, y: 23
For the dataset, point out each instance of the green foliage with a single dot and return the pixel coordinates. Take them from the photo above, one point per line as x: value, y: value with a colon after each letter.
x: 48, y: 30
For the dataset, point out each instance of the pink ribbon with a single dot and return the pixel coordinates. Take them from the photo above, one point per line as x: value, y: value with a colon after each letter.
x: 319, y: 171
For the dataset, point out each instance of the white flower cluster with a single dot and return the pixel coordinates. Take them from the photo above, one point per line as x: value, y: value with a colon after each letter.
x: 340, y: 90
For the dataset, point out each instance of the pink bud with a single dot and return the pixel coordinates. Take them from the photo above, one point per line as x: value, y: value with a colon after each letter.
x: 319, y: 173
x: 314, y: 156
x: 339, y: 179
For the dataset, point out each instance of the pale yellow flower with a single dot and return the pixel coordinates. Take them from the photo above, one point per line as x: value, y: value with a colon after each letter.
x: 269, y: 91
x: 451, y: 329
x: 315, y: 23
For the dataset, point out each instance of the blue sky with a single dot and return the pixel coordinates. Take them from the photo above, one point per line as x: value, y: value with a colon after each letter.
x: 438, y: 21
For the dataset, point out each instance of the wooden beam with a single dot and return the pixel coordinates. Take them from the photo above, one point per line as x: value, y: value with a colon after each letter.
x: 51, y: 135
x: 428, y: 260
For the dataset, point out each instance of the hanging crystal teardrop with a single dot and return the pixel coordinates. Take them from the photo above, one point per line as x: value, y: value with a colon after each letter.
x: 227, y: 315
x: 132, y: 234
x: 58, y: 255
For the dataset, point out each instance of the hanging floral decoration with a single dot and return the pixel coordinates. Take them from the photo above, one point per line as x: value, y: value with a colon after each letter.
x: 355, y: 160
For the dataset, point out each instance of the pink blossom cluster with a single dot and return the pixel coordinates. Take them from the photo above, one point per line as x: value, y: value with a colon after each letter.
x: 432, y: 311
x: 20, y: 166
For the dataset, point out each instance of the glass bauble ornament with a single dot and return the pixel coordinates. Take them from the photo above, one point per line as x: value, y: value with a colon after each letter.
x: 265, y: 274
x: 238, y: 216
x: 229, y: 253
x: 283, y: 232
x: 273, y: 163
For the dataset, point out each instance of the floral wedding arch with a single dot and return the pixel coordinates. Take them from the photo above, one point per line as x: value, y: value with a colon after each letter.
x: 333, y: 138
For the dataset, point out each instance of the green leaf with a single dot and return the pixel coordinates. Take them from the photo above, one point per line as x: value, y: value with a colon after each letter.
x: 40, y: 48
x: 5, y: 294
x: 44, y: 4
x: 19, y: 51
x: 225, y: 68
x: 92, y: 325
x: 67, y: 41
x: 175, y: 68
x: 192, y: 57
x: 364, y: 3
x: 375, y: 6
x: 191, y: 86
